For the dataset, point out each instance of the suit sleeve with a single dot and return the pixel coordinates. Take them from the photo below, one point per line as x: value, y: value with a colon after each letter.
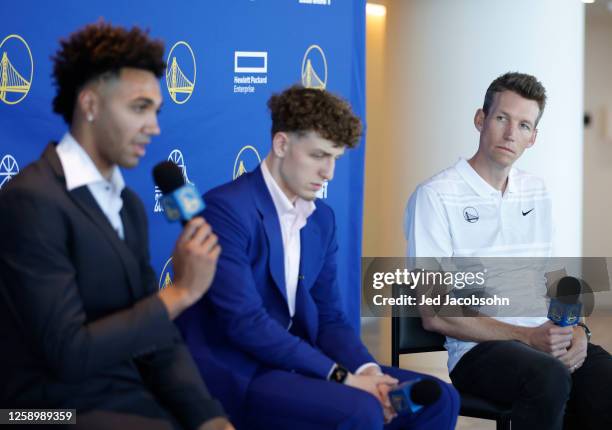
x: 173, y: 377
x: 336, y: 336
x: 170, y: 373
x: 239, y: 306
x: 41, y: 282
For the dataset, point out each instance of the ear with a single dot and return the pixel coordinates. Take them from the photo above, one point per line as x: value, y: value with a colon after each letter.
x: 280, y: 144
x: 479, y: 118
x: 533, y: 138
x: 88, y: 102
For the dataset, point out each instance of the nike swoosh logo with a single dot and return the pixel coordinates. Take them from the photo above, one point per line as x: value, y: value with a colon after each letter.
x: 527, y: 213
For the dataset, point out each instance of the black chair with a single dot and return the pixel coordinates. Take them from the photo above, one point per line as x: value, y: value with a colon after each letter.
x: 408, y: 336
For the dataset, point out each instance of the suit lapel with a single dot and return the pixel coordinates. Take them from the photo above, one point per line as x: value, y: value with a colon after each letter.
x: 131, y: 244
x: 310, y: 248
x: 85, y: 201
x: 271, y: 224
x: 129, y: 228
x: 310, y: 241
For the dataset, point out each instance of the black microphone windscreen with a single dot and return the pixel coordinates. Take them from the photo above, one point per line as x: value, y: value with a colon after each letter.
x: 425, y: 392
x: 168, y: 176
x: 569, y: 289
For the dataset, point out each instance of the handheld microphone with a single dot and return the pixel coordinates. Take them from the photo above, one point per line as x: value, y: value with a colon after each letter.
x: 411, y: 396
x: 180, y: 201
x: 565, y: 308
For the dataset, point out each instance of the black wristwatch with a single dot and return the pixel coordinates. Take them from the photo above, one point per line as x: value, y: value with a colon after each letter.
x: 586, y: 330
x: 339, y: 374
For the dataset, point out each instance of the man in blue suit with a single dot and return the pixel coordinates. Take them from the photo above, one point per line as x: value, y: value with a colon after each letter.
x: 270, y: 337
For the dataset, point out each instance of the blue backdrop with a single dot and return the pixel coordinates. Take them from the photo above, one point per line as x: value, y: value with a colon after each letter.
x: 225, y: 58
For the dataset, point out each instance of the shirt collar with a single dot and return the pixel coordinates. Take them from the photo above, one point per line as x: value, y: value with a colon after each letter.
x: 478, y: 184
x: 511, y: 187
x: 282, y: 204
x: 79, y: 168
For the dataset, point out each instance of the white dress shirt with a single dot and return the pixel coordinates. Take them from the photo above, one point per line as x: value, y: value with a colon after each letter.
x: 79, y: 170
x: 292, y: 218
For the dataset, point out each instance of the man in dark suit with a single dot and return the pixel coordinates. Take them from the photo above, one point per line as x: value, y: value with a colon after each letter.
x: 83, y: 325
x: 270, y: 337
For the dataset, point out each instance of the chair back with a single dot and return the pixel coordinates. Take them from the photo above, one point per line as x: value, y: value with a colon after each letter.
x: 408, y: 336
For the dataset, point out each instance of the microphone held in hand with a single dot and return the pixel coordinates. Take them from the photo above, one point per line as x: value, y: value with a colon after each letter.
x: 411, y: 396
x: 180, y: 201
x: 565, y: 308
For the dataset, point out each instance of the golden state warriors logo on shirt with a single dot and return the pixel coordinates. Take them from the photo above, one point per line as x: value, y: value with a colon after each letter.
x: 181, y: 72
x: 8, y: 169
x: 470, y: 214
x: 167, y: 275
x: 314, y: 68
x: 16, y: 69
x: 247, y: 160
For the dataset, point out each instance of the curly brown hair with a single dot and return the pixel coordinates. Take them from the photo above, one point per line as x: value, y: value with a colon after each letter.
x: 526, y: 86
x: 299, y: 110
x: 96, y: 50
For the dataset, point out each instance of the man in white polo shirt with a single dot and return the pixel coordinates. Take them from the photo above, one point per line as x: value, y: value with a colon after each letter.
x: 484, y: 207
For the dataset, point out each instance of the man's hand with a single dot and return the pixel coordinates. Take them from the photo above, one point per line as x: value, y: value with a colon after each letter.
x: 550, y: 338
x: 216, y: 424
x: 377, y: 385
x: 388, y: 411
x: 576, y: 354
x: 194, y: 261
x: 371, y: 370
x: 383, y: 391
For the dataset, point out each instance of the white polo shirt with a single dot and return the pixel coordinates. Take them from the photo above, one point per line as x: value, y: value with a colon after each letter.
x: 456, y: 213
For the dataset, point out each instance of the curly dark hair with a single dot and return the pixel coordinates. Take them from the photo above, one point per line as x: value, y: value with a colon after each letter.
x: 524, y: 85
x: 299, y: 109
x: 96, y: 50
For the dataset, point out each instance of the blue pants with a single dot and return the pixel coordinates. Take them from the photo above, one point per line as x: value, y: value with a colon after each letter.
x: 279, y: 400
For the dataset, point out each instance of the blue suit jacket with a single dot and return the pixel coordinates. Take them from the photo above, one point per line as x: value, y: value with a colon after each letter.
x: 241, y: 324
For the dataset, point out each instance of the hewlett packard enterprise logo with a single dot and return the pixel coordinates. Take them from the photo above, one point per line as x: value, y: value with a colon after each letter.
x: 250, y: 71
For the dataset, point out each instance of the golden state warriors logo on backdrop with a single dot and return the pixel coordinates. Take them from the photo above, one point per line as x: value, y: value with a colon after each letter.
x: 176, y: 156
x: 16, y: 69
x: 322, y: 193
x: 181, y: 72
x: 167, y: 275
x: 314, y: 68
x: 247, y: 159
x: 8, y: 169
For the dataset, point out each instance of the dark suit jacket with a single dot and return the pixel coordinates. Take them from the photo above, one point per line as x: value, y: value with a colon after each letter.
x: 80, y: 323
x: 241, y: 325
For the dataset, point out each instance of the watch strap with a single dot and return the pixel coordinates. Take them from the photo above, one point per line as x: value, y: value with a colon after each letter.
x: 339, y: 374
x: 587, y: 331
